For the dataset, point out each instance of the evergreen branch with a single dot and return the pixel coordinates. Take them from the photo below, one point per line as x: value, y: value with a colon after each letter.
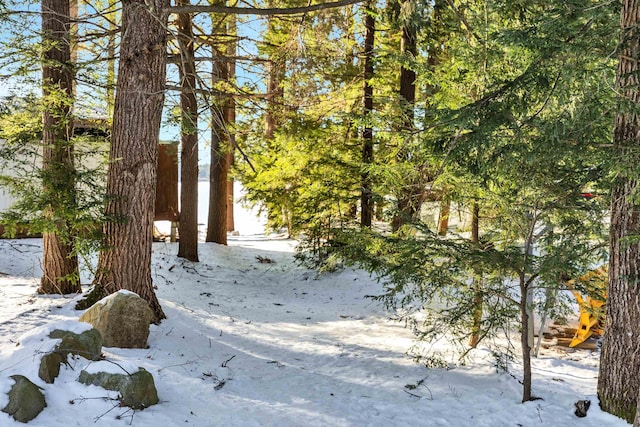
x: 464, y: 21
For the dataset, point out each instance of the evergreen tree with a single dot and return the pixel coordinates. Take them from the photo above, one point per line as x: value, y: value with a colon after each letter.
x: 126, y: 262
x: 366, y: 197
x: 219, y: 169
x: 50, y: 168
x: 60, y: 262
x: 221, y: 143
x: 519, y: 121
x: 307, y: 166
x: 188, y: 244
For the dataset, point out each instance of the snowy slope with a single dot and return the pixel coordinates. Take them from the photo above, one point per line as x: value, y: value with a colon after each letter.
x: 248, y: 343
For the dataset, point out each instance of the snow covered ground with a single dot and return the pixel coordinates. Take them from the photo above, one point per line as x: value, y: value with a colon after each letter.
x: 250, y: 343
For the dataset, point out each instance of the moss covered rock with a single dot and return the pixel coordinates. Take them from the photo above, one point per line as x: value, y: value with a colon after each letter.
x: 137, y: 391
x: 26, y: 400
x: 122, y: 319
x: 87, y: 344
x: 50, y: 366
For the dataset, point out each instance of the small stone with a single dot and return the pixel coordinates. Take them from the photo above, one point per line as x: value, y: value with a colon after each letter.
x: 26, y: 400
x: 582, y: 406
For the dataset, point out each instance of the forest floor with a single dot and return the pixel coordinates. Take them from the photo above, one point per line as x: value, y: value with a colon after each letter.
x: 253, y: 339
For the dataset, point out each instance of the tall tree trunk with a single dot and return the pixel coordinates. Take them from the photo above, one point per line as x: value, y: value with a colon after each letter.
x: 231, y: 119
x: 526, y: 309
x: 231, y: 116
x: 366, y: 198
x: 273, y: 114
x: 188, y: 244
x: 410, y: 196
x: 476, y: 315
x: 274, y: 98
x: 619, y: 377
x: 524, y: 340
x: 409, y: 48
x: 60, y: 263
x: 131, y: 182
x: 219, y: 171
x: 111, y: 57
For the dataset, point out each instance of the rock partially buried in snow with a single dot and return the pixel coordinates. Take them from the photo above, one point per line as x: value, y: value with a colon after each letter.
x: 122, y: 319
x: 87, y: 344
x: 26, y: 400
x: 137, y: 391
x: 50, y: 366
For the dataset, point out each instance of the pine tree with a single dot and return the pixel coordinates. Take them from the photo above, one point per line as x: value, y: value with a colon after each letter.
x: 188, y: 244
x: 410, y: 195
x: 60, y: 261
x: 219, y: 170
x: 366, y: 197
x: 230, y: 114
x: 515, y: 127
x: 126, y: 261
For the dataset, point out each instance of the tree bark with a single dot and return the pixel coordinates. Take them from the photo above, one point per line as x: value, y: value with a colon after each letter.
x: 443, y: 215
x: 274, y: 99
x: 126, y: 261
x: 366, y: 198
x: 619, y: 377
x: 111, y: 59
x: 219, y: 170
x: 524, y: 340
x: 188, y: 229
x: 274, y: 111
x: 60, y: 263
x: 410, y: 197
x: 408, y: 46
x: 231, y: 118
x: 478, y: 300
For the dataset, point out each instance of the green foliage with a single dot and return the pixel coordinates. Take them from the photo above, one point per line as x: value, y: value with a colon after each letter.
x: 516, y: 113
x: 306, y: 184
x: 36, y: 191
x: 306, y: 175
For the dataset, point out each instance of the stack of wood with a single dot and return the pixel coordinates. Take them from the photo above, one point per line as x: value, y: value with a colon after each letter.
x: 562, y: 335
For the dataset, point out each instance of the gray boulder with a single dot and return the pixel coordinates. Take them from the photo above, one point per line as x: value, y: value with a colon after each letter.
x: 122, y: 319
x: 26, y: 400
x: 88, y: 344
x: 137, y: 391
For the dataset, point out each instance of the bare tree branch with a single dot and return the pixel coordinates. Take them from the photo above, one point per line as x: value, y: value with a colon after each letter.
x: 174, y: 59
x: 259, y: 11
x: 218, y: 94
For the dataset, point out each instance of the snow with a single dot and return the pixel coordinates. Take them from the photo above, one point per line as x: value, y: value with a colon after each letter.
x: 105, y: 300
x: 41, y: 333
x: 122, y: 367
x: 250, y: 343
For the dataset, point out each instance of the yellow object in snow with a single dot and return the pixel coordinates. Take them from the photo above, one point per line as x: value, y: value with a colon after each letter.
x: 592, y: 310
